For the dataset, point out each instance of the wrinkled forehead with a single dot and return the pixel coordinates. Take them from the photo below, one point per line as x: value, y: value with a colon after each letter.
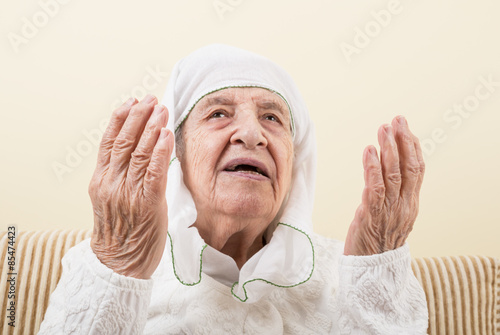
x: 262, y: 97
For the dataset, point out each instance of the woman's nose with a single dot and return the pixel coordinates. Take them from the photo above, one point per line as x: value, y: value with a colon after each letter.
x: 249, y: 131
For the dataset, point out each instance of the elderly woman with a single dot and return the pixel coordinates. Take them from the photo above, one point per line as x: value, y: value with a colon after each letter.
x: 234, y: 251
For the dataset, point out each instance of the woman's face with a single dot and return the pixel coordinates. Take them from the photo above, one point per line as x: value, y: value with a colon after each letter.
x: 238, y: 153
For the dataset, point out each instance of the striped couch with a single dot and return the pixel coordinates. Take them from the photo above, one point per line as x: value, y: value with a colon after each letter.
x: 463, y: 293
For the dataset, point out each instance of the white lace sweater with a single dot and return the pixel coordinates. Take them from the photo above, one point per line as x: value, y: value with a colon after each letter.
x: 345, y: 295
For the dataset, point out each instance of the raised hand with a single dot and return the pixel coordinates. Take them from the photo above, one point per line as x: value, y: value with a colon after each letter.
x: 390, y: 198
x: 128, y: 189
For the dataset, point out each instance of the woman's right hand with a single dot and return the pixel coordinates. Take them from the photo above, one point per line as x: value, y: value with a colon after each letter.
x: 128, y: 188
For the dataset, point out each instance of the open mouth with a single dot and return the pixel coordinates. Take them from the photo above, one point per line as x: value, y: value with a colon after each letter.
x: 246, y: 169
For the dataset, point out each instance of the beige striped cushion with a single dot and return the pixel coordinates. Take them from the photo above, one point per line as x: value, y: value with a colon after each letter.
x: 463, y: 293
x: 38, y: 264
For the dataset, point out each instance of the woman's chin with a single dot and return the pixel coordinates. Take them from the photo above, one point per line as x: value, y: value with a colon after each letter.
x: 249, y: 204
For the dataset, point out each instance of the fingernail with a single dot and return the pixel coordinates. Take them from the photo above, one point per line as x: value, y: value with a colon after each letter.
x: 402, y: 121
x: 372, y: 151
x: 149, y: 98
x: 130, y: 101
x: 164, y: 134
x: 388, y: 129
x: 158, y: 109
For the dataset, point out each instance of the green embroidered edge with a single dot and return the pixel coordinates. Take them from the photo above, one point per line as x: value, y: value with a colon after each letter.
x: 249, y: 281
x: 172, y: 252
x: 241, y: 86
x: 271, y: 283
x: 173, y: 263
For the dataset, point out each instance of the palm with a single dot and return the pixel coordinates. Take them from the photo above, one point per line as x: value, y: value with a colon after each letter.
x: 390, y: 198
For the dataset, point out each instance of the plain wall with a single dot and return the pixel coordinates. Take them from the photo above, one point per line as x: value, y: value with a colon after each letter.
x: 65, y: 65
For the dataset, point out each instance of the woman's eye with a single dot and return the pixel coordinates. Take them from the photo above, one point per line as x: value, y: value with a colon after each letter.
x: 217, y: 114
x: 272, y: 118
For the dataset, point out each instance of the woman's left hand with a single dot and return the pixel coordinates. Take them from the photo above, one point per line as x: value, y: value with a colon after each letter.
x: 389, y: 204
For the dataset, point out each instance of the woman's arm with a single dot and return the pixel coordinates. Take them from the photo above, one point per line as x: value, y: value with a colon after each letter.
x: 92, y: 299
x: 105, y: 286
x: 379, y: 294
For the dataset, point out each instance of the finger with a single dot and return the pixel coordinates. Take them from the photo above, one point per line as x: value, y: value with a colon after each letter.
x: 155, y: 180
x: 130, y: 133
x: 421, y: 163
x: 113, y: 129
x: 408, y: 163
x: 374, y: 192
x: 142, y: 154
x: 389, y: 158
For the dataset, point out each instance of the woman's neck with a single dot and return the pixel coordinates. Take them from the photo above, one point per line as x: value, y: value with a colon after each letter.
x: 240, y: 238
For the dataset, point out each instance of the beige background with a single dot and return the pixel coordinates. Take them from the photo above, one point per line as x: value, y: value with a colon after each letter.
x: 60, y: 81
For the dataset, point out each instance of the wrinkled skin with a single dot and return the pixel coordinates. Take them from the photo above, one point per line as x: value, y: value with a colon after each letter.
x: 128, y: 188
x: 390, y: 198
x: 233, y: 209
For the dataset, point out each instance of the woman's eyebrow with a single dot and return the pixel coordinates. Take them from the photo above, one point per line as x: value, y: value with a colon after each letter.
x: 227, y: 101
x: 208, y: 102
x: 219, y: 101
x: 272, y: 105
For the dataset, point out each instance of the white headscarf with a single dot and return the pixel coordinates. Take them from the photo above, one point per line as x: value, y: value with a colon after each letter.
x: 287, y: 259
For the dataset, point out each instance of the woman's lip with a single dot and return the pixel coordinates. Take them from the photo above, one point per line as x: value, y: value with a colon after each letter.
x: 248, y: 175
x: 248, y: 161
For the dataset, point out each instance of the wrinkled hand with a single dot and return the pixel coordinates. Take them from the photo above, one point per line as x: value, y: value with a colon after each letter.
x: 128, y: 189
x: 389, y: 204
